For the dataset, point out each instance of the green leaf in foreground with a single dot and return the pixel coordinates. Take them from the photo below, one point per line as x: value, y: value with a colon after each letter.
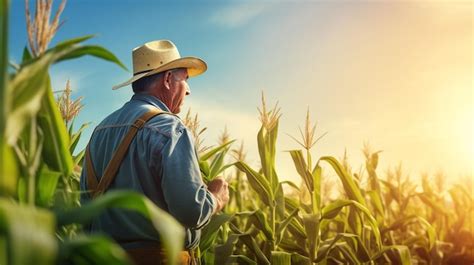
x: 171, y: 232
x: 93, y: 50
x: 29, y: 234
x: 90, y: 250
x: 56, y: 138
x: 8, y: 170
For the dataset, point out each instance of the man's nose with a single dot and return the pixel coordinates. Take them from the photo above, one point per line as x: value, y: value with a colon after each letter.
x: 188, y: 90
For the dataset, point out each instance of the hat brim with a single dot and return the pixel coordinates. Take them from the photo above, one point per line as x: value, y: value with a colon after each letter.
x: 194, y: 65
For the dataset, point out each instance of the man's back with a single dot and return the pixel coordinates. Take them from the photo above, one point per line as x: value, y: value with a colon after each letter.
x: 161, y: 163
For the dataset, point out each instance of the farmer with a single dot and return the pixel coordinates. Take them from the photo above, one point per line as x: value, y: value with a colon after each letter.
x: 145, y: 147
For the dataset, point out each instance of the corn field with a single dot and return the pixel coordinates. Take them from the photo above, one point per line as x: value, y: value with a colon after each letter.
x: 375, y: 219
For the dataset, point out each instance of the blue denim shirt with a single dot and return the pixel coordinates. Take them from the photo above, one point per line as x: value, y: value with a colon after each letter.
x: 161, y: 163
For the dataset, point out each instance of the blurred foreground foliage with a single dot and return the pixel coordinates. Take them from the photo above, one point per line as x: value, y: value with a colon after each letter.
x: 40, y: 216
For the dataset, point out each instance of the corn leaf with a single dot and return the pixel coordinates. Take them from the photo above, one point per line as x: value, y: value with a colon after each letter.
x: 316, y: 174
x: 8, y: 165
x: 429, y: 230
x: 281, y: 258
x: 281, y: 227
x: 376, y: 200
x: 428, y: 200
x: 302, y: 168
x: 214, y: 151
x: 75, y: 137
x: 404, y: 222
x: 93, y: 50
x: 91, y: 250
x: 280, y: 201
x: 171, y: 232
x: 217, y: 165
x: 354, y: 221
x: 8, y: 170
x: 68, y: 43
x: 239, y: 259
x: 26, y: 57
x: 29, y: 234
x: 329, y: 244
x: 332, y: 210
x: 46, y: 187
x: 223, y: 252
x: 292, y: 246
x: 204, y: 167
x: 311, y: 225
x: 396, y: 254
x: 291, y: 184
x: 291, y: 204
x: 348, y: 253
x: 209, y: 232
x: 371, y: 166
x: 297, y: 229
x: 56, y: 138
x: 78, y: 158
x: 25, y: 93
x: 297, y: 259
x: 259, y: 220
x: 258, y: 183
x: 352, y: 189
x: 355, y: 243
x: 249, y: 241
x: 266, y: 141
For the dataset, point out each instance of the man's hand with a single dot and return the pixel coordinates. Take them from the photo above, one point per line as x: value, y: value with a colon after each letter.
x: 220, y: 189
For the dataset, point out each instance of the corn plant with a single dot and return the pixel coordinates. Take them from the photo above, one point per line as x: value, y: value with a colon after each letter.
x: 257, y: 223
x: 35, y: 150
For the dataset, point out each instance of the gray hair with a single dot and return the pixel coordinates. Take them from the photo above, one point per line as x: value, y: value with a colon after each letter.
x: 143, y: 85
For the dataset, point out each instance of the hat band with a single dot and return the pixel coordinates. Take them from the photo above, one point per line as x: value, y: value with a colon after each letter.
x: 141, y: 72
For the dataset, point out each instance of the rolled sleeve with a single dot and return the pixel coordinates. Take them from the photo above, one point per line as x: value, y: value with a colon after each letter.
x: 185, y: 194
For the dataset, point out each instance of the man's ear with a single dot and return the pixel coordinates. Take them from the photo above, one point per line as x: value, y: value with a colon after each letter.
x: 167, y: 80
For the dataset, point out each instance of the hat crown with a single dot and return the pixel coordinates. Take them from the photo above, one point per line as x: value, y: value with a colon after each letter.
x: 154, y: 54
x: 158, y: 56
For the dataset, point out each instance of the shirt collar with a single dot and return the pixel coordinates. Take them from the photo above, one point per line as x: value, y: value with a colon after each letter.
x: 151, y: 100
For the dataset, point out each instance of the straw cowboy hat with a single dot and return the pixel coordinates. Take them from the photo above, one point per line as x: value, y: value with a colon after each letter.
x: 159, y: 56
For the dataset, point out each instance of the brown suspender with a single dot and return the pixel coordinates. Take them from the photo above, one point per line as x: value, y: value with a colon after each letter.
x: 111, y: 170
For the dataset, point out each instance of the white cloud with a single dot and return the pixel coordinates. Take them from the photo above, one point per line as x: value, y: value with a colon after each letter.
x: 237, y: 15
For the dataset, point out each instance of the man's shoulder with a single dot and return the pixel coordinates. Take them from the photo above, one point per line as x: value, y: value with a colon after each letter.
x: 166, y: 123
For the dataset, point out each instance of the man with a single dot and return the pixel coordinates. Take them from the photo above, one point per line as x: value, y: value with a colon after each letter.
x: 145, y: 147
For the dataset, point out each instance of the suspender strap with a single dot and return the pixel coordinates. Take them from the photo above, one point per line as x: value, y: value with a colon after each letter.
x: 111, y: 170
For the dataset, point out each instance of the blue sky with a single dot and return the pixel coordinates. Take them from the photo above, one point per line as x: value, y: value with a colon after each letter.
x: 396, y: 74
